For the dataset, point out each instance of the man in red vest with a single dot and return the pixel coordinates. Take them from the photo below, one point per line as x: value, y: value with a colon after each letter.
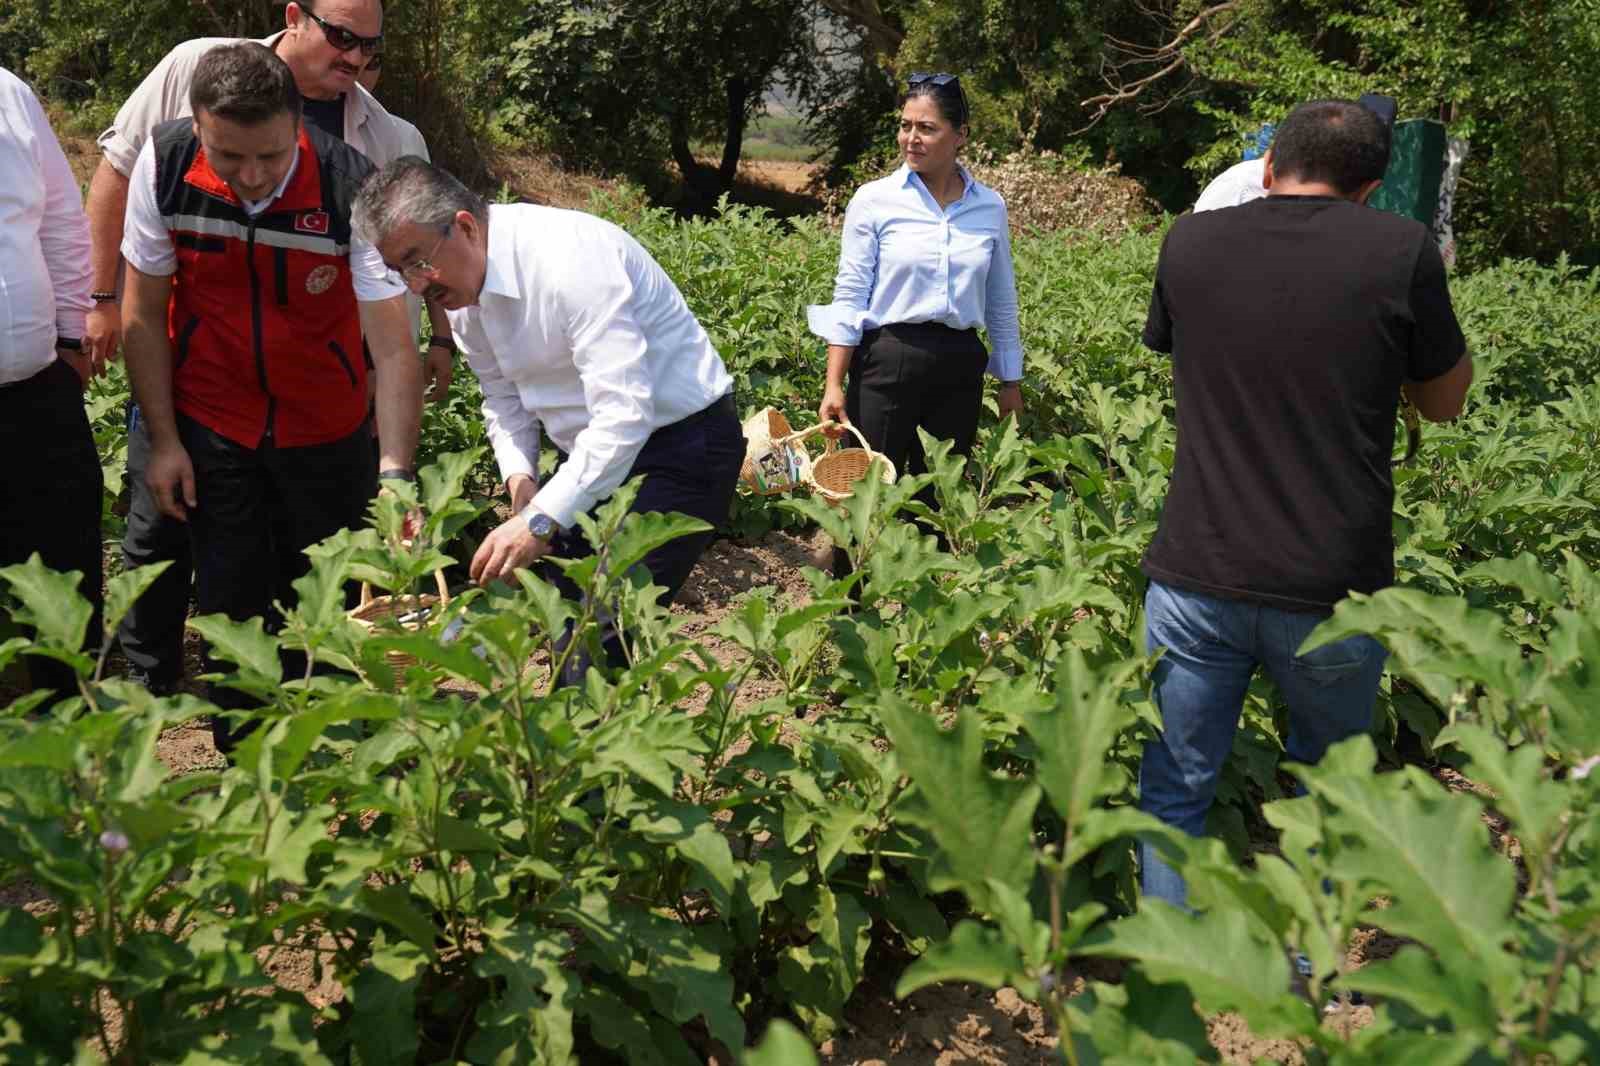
x: 247, y: 301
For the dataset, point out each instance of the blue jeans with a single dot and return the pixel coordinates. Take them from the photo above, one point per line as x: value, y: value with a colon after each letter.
x: 1212, y: 647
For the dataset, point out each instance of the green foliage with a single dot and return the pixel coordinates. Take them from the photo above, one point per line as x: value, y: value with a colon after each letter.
x: 934, y: 758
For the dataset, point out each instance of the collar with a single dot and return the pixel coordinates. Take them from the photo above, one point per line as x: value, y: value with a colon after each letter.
x: 910, y: 179
x: 499, y: 274
x: 299, y: 190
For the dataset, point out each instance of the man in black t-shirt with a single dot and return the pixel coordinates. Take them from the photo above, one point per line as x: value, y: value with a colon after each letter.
x: 1294, y: 323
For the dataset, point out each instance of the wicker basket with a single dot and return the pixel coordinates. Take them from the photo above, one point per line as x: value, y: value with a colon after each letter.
x: 775, y: 460
x: 373, y: 610
x: 835, y: 473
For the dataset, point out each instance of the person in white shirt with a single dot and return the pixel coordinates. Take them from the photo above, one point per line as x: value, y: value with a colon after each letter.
x: 571, y: 327
x: 326, y: 50
x: 50, y: 475
x: 924, y: 261
x: 1239, y: 184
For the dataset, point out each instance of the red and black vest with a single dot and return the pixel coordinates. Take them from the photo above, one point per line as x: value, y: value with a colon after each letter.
x: 266, y: 336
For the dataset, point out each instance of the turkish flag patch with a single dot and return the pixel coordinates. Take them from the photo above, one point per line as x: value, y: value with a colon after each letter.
x: 311, y: 222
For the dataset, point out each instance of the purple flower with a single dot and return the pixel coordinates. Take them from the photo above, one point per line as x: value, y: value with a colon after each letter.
x: 114, y: 840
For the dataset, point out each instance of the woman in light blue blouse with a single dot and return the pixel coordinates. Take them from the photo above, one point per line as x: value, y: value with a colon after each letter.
x: 925, y: 260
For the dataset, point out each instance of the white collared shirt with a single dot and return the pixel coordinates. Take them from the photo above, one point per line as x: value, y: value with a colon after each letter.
x: 579, y: 330
x: 904, y: 259
x: 147, y: 240
x: 44, y: 238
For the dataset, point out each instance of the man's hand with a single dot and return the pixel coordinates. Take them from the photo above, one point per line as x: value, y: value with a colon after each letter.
x: 509, y: 547
x: 102, y: 334
x: 438, y: 367
x: 1009, y: 400
x: 831, y: 409
x: 170, y: 476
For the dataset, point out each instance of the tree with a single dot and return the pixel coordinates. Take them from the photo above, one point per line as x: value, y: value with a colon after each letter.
x: 624, y: 84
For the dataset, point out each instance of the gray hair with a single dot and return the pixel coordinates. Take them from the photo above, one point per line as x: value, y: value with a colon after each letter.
x: 411, y: 190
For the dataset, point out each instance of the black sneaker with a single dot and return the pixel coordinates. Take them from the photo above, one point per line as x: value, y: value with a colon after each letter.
x: 154, y: 686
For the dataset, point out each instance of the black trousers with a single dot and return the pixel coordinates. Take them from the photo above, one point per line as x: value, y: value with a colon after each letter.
x: 914, y: 376
x: 258, y: 510
x: 691, y: 467
x: 50, y: 479
x: 151, y: 633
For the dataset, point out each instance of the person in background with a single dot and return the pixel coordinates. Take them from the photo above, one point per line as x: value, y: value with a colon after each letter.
x: 247, y: 304
x: 924, y: 261
x: 1295, y: 323
x: 327, y: 50
x: 571, y: 326
x: 50, y: 474
x: 1247, y: 181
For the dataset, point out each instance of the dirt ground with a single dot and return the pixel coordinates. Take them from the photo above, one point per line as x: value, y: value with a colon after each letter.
x: 939, y: 1026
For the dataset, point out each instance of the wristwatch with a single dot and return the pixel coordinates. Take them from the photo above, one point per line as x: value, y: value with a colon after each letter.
x: 541, y: 525
x: 1013, y: 383
x: 447, y: 343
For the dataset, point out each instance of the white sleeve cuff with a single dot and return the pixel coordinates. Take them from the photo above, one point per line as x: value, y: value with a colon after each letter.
x: 835, y: 324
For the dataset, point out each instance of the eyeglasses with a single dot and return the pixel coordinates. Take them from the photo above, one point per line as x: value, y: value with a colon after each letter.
x: 423, y: 265
x: 343, y: 39
x: 939, y: 81
x: 375, y: 61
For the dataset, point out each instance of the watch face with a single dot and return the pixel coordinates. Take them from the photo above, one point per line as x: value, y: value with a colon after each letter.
x: 542, y: 526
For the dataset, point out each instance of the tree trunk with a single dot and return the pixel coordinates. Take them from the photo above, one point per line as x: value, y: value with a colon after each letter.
x: 701, y: 179
x: 733, y: 142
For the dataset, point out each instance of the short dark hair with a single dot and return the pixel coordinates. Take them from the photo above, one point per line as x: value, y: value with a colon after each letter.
x: 244, y: 82
x: 411, y: 190
x: 1334, y: 141
x: 945, y: 94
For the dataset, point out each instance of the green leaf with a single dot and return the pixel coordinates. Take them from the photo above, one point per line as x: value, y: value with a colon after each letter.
x: 783, y: 1045
x: 974, y: 952
x: 383, y: 997
x: 1522, y: 787
x: 1224, y: 959
x: 530, y: 1020
x: 982, y: 823
x: 820, y: 976
x: 245, y: 644
x: 50, y: 603
x: 1077, y: 739
x: 1425, y: 848
x: 393, y: 904
x: 697, y: 840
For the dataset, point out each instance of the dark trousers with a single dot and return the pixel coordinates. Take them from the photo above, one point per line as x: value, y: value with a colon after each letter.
x: 258, y: 510
x: 151, y: 633
x: 691, y: 467
x: 51, y: 482
x: 909, y: 377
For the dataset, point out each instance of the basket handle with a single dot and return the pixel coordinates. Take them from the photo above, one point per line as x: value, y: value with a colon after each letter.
x: 849, y: 426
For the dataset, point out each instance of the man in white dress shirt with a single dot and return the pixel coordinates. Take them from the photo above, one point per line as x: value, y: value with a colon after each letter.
x: 50, y: 479
x: 569, y: 324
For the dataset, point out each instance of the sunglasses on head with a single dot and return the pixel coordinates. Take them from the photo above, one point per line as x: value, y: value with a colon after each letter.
x: 343, y: 39
x: 940, y: 81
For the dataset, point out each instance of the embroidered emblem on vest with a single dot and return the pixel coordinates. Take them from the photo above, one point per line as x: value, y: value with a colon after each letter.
x: 321, y: 279
x: 312, y: 222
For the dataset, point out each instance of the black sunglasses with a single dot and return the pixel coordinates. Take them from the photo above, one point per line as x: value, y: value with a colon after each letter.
x: 343, y: 39
x: 939, y: 81
x: 375, y: 61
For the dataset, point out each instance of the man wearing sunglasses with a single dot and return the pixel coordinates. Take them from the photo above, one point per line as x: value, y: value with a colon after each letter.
x: 325, y: 50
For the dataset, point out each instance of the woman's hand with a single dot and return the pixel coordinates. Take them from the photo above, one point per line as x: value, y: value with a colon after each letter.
x: 1009, y: 400
x: 831, y: 409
